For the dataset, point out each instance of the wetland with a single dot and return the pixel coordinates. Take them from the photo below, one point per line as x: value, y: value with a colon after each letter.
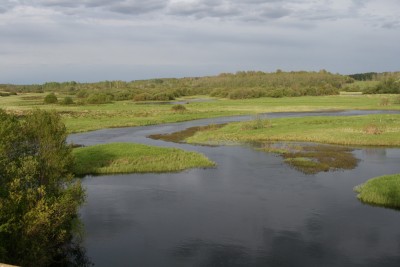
x: 253, y: 209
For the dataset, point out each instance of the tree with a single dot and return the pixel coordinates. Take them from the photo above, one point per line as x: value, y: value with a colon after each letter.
x: 39, y: 198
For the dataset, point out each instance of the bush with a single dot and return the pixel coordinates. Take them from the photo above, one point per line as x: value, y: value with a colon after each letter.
x: 67, y: 101
x: 50, y: 99
x: 179, y: 108
x: 99, y: 98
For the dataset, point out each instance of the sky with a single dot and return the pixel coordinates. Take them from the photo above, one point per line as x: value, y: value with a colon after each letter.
x: 97, y: 40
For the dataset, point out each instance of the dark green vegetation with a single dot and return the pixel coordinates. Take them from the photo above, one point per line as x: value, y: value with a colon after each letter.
x: 135, y: 158
x: 50, y: 99
x: 381, y: 191
x: 251, y: 84
x: 39, y: 199
x: 375, y: 83
x: 312, y: 158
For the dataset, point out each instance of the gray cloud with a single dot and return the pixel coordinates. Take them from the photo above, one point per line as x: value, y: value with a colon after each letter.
x: 134, y: 7
x: 194, y: 37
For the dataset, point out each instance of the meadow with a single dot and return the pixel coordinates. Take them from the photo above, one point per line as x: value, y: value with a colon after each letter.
x: 87, y: 117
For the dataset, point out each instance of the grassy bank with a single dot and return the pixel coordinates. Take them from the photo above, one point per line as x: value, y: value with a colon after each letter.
x: 381, y: 191
x: 85, y: 117
x: 371, y: 130
x: 135, y: 158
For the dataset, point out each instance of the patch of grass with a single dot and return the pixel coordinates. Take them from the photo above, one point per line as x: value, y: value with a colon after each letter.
x: 179, y: 137
x: 381, y: 191
x: 256, y: 123
x: 332, y: 130
x: 312, y: 159
x: 135, y: 158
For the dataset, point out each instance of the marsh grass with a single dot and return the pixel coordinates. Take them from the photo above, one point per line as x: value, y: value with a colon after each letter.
x: 314, y: 158
x: 331, y: 130
x: 256, y: 123
x: 373, y: 128
x: 179, y: 137
x: 381, y: 191
x: 135, y: 158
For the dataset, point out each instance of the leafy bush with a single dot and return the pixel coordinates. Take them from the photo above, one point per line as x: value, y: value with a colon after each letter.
x: 99, y: 98
x: 50, y: 99
x: 67, y: 101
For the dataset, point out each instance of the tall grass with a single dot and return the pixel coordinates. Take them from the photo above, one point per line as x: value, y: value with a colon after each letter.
x: 381, y: 191
x: 135, y: 158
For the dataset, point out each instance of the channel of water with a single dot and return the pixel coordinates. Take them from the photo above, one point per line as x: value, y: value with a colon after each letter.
x: 251, y: 210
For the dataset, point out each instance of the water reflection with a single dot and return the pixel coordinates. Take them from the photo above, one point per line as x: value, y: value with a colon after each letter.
x: 252, y: 210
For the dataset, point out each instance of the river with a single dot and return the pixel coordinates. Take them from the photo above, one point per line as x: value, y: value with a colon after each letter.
x: 251, y: 210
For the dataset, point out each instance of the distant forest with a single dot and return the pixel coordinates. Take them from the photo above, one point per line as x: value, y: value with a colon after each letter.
x: 240, y: 85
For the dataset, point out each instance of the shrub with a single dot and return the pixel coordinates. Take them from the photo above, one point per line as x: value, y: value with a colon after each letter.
x: 67, y: 101
x: 99, y: 98
x: 179, y: 108
x: 50, y: 99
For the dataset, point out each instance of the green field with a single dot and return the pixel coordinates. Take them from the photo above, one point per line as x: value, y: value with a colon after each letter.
x: 369, y: 130
x: 81, y: 118
x: 135, y: 158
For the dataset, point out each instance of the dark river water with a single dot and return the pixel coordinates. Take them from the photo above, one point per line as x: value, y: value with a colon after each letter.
x: 251, y: 210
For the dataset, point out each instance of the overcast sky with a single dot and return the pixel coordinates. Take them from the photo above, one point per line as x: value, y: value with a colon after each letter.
x: 94, y: 40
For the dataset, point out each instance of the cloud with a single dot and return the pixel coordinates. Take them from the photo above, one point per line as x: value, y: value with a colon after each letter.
x: 134, y: 7
x: 203, y: 36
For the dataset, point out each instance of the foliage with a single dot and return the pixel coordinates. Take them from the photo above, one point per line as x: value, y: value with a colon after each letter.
x: 241, y: 85
x: 381, y: 191
x: 38, y: 198
x: 367, y: 76
x: 67, y: 101
x: 131, y: 158
x: 50, y: 99
x: 99, y: 98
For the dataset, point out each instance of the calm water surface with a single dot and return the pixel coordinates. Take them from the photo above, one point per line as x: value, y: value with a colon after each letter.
x: 251, y: 210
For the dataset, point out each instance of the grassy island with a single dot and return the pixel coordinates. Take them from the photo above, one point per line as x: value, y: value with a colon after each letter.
x: 370, y: 130
x: 381, y: 191
x: 135, y: 158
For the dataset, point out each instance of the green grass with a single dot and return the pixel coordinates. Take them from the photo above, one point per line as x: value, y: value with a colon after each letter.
x: 370, y: 130
x: 381, y: 191
x: 81, y: 118
x: 135, y: 158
